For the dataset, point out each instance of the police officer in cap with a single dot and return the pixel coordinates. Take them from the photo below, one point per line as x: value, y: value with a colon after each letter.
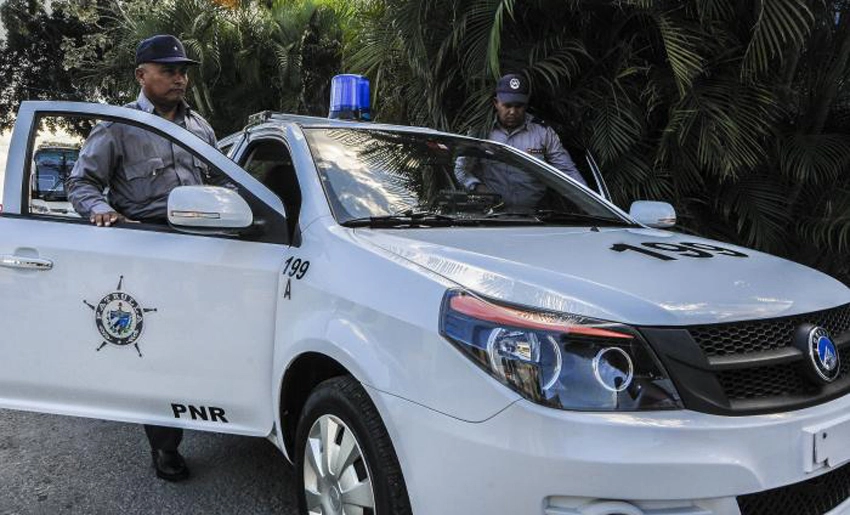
x: 518, y: 129
x: 139, y: 169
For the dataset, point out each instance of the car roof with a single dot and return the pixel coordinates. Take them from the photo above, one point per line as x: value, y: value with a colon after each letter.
x: 276, y: 118
x: 271, y: 119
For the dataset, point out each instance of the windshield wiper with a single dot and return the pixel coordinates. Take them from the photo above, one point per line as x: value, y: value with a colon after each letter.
x: 550, y: 215
x: 407, y: 218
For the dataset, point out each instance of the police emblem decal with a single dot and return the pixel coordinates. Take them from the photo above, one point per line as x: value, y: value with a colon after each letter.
x: 823, y: 355
x: 119, y: 318
x: 514, y: 84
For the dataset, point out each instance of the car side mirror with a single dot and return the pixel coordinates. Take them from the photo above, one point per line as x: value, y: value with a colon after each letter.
x: 653, y: 214
x: 208, y: 209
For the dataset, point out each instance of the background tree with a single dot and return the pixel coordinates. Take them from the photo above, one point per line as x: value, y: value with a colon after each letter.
x: 31, y: 57
x: 734, y: 110
x: 254, y: 56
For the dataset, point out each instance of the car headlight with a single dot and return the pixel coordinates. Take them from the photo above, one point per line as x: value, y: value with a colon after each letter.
x: 559, y: 360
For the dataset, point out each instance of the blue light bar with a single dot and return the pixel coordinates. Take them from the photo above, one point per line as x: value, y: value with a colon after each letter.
x: 350, y: 98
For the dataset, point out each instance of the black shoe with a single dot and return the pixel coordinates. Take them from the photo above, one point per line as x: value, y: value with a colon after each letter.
x: 169, y: 465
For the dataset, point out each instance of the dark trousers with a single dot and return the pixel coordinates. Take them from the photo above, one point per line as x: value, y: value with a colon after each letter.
x: 164, y: 438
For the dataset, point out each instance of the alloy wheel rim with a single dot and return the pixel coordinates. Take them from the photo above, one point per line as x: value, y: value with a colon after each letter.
x: 336, y: 477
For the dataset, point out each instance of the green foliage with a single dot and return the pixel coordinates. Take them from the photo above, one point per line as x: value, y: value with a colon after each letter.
x: 276, y: 55
x: 31, y: 55
x: 778, y: 24
x: 736, y: 111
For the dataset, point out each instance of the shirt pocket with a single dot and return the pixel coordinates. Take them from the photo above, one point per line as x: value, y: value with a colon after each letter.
x: 140, y: 178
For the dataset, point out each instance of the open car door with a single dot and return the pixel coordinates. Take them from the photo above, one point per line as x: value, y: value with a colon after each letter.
x: 136, y: 322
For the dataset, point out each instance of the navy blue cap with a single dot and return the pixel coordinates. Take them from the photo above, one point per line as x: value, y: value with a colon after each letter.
x: 163, y: 48
x: 512, y: 89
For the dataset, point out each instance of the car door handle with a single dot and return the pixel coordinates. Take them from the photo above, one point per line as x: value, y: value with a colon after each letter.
x: 29, y: 263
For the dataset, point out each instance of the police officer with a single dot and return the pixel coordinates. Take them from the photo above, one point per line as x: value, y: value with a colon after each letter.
x: 514, y: 127
x: 140, y: 169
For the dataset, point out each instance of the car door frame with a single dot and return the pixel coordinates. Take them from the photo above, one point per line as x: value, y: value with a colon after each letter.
x: 597, y: 175
x: 24, y: 133
x: 314, y: 203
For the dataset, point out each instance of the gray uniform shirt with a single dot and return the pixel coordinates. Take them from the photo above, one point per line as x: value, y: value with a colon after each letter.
x: 516, y: 187
x: 138, y: 167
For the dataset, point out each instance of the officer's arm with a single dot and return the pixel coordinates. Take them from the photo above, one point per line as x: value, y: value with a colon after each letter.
x: 463, y: 173
x: 557, y: 155
x: 92, y: 174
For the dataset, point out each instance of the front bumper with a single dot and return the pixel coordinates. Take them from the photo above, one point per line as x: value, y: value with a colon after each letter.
x: 530, y: 460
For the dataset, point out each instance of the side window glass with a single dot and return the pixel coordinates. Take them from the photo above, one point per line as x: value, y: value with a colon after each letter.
x: 270, y: 162
x: 230, y: 144
x: 54, y: 153
x: 129, y: 168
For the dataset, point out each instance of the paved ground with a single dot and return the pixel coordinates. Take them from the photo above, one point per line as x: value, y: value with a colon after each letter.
x: 63, y: 465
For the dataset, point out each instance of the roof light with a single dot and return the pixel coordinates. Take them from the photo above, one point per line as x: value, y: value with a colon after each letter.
x: 350, y: 98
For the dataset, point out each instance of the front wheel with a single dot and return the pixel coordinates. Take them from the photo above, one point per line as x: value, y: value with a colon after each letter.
x: 344, y: 459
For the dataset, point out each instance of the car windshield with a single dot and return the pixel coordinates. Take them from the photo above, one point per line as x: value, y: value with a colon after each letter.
x: 407, y: 178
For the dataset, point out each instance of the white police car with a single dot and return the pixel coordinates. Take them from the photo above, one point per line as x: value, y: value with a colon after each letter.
x: 413, y: 347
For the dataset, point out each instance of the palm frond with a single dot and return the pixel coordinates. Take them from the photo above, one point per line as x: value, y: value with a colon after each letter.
x: 554, y: 61
x: 814, y: 158
x: 827, y: 226
x: 681, y: 46
x: 780, y: 24
x: 615, y: 125
x: 757, y: 206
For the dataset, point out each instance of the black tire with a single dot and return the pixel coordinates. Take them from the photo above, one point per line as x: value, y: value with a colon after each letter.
x: 344, y: 398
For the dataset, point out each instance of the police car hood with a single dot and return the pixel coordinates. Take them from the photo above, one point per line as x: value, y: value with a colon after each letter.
x: 605, y: 273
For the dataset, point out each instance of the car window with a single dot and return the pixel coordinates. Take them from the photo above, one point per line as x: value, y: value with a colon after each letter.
x: 270, y: 162
x: 54, y: 153
x: 228, y: 145
x: 378, y: 173
x: 149, y: 161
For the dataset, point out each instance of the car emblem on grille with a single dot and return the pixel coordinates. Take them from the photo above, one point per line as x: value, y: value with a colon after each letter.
x: 815, y: 342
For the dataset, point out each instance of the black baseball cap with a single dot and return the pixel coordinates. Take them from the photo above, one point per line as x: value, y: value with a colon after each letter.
x: 163, y: 48
x: 512, y: 89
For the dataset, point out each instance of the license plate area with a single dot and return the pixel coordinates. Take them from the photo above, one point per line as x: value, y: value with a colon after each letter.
x: 828, y: 443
